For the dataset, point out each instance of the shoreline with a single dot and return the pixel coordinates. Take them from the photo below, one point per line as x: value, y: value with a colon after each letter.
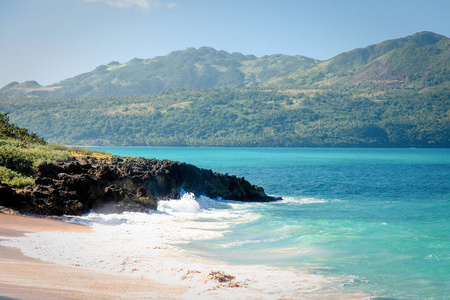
x: 24, y: 277
x: 167, y: 272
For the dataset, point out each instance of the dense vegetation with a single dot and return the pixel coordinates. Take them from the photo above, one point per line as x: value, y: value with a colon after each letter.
x: 9, y: 130
x: 244, y: 117
x: 392, y: 94
x: 21, y: 152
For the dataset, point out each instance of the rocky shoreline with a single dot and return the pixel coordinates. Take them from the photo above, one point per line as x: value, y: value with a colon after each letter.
x: 119, y: 184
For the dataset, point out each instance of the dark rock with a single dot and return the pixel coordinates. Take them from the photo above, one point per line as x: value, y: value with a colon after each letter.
x: 9, y: 198
x: 120, y: 184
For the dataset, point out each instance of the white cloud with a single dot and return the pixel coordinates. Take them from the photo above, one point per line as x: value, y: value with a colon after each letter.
x: 171, y: 5
x: 144, y: 4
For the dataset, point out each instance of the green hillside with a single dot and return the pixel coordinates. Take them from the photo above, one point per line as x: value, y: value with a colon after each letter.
x: 417, y: 61
x: 392, y: 94
x: 243, y: 117
x: 192, y: 68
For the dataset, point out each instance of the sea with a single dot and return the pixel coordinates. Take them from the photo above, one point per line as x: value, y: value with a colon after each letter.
x: 373, y: 223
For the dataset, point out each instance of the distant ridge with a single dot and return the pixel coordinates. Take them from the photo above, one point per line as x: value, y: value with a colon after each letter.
x: 419, y: 60
x: 422, y: 59
x: 200, y: 68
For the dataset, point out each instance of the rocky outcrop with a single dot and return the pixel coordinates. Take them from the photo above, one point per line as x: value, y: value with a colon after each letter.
x: 121, y: 184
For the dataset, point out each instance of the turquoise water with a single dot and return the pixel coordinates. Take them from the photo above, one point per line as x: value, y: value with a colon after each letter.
x: 378, y: 216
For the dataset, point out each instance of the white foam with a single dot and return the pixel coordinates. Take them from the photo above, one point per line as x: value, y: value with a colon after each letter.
x: 144, y: 245
x: 302, y: 201
x: 186, y: 203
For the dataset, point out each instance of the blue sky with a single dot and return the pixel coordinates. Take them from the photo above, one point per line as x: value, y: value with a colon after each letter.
x: 51, y: 40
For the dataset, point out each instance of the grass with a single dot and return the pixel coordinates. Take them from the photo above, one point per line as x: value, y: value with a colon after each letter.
x: 34, y: 154
x: 19, y: 160
x: 21, y: 152
x: 80, y: 151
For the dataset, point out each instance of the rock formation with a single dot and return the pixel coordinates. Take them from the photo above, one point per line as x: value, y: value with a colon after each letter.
x: 120, y: 184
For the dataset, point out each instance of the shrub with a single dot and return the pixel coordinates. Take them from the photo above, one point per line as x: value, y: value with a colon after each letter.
x: 12, y: 178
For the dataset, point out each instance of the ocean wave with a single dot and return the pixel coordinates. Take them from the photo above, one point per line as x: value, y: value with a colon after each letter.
x: 148, y: 245
x: 186, y: 204
x: 301, y: 201
x: 190, y: 203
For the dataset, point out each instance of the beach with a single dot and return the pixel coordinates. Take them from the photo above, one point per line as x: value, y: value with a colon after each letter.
x: 353, y: 223
x: 157, y: 271
x: 22, y: 277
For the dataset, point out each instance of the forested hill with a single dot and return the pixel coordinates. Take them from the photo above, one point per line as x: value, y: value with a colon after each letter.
x: 392, y: 94
x: 243, y: 117
x: 192, y: 68
x: 416, y: 61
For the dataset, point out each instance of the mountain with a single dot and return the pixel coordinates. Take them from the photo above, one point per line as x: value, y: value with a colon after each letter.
x: 415, y: 61
x: 392, y: 94
x: 192, y: 68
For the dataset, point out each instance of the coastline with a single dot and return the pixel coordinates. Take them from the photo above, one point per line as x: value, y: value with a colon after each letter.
x: 23, y: 277
x: 168, y: 272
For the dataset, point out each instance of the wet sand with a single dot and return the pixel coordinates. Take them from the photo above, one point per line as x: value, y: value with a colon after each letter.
x: 165, y: 272
x: 22, y: 277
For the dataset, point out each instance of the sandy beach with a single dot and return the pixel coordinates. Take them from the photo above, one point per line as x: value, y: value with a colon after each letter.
x: 114, y: 262
x: 22, y: 277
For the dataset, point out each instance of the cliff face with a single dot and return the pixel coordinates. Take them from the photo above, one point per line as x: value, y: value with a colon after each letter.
x: 121, y: 184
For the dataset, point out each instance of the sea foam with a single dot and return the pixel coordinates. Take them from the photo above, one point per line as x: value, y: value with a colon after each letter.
x: 147, y: 245
x: 301, y: 201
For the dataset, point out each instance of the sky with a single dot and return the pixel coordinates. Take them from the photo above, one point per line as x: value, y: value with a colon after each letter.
x: 52, y: 40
